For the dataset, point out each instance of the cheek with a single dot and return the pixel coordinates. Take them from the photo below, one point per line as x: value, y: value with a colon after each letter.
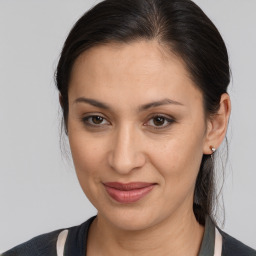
x: 178, y: 160
x: 88, y: 161
x: 87, y: 153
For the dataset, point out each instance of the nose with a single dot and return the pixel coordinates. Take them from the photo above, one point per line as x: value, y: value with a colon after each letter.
x: 126, y: 151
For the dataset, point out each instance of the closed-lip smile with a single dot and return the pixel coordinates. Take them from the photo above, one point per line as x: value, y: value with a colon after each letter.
x: 128, y: 192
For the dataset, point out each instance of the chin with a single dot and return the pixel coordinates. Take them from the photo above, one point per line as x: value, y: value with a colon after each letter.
x: 131, y: 219
x: 132, y: 223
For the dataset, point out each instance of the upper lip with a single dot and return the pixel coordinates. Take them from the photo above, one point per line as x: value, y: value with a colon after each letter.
x: 128, y: 186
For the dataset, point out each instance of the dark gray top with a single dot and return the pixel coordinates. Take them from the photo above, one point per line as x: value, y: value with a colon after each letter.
x: 45, y: 245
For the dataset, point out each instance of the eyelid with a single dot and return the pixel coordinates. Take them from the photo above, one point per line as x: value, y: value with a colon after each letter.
x: 84, y: 119
x: 169, y: 119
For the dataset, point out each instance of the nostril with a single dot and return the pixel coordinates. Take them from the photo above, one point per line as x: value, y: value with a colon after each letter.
x: 123, y: 163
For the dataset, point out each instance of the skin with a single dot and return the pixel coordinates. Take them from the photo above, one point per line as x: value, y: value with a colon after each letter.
x: 126, y: 146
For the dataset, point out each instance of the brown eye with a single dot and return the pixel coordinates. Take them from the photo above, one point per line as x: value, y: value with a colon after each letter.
x: 97, y: 119
x: 158, y: 121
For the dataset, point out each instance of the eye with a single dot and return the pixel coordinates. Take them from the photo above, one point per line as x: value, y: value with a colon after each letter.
x: 94, y: 120
x: 160, y: 122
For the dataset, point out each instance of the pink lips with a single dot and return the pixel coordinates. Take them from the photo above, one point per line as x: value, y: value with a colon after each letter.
x: 128, y: 192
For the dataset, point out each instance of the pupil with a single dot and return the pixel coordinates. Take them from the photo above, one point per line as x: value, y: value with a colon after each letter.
x: 97, y: 119
x: 158, y: 120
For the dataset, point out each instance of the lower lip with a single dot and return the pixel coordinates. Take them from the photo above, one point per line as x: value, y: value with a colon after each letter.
x: 130, y: 196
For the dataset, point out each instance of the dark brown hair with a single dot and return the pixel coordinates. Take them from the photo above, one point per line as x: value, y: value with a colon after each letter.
x: 185, y: 30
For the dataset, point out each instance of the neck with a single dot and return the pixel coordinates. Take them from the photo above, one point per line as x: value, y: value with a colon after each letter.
x: 177, y: 235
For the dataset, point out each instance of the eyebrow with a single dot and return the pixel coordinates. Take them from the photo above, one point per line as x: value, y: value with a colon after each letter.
x: 141, y: 108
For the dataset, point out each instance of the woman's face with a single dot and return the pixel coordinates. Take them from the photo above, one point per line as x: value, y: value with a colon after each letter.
x: 137, y: 133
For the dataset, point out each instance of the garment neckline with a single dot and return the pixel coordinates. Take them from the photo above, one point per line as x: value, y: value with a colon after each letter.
x: 80, y: 235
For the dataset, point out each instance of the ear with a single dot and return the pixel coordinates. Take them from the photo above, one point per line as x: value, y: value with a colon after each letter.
x: 217, y: 125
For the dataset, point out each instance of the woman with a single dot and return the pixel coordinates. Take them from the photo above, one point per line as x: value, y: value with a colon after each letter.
x: 143, y: 89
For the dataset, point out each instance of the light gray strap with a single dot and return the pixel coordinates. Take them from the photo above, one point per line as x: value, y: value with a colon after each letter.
x: 218, y: 243
x: 61, y: 242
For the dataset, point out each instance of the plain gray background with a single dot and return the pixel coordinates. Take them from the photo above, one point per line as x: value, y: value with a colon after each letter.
x: 39, y: 191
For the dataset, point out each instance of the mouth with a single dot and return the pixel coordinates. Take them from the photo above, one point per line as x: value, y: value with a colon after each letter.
x: 128, y: 192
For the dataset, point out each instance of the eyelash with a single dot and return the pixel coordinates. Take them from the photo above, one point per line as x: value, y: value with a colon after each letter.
x: 169, y: 120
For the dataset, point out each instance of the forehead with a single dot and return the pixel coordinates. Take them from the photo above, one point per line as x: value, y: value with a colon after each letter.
x: 142, y: 68
x: 139, y: 56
